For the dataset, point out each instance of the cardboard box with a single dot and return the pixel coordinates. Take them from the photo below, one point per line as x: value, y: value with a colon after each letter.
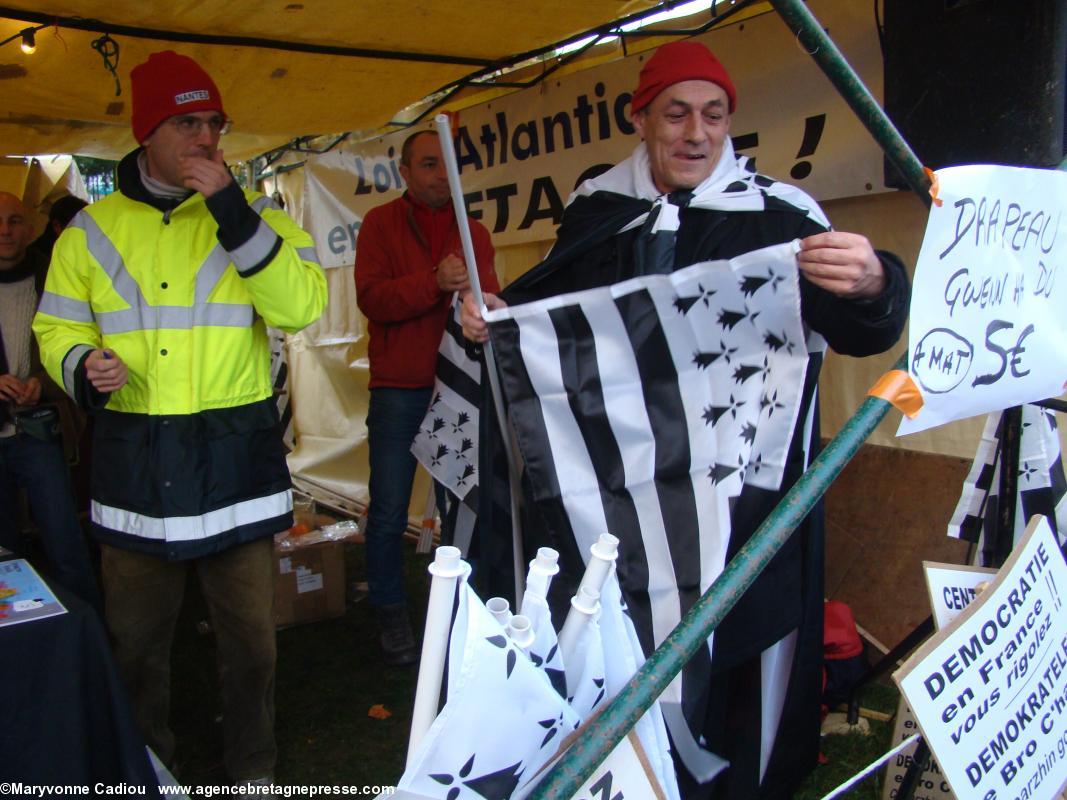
x: 309, y: 583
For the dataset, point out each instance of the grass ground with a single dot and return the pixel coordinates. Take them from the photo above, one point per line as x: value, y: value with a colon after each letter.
x: 330, y: 675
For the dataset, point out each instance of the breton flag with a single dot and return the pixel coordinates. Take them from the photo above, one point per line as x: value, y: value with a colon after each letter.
x: 447, y: 441
x: 643, y: 409
x: 1041, y: 485
x: 505, y: 717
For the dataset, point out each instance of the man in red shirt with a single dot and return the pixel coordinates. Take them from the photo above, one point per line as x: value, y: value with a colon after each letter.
x: 408, y: 266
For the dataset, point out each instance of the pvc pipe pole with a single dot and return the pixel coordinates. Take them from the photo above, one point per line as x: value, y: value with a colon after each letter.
x: 446, y: 569
x: 444, y: 133
x: 521, y: 632
x: 568, y: 774
x: 500, y: 609
x: 542, y: 570
x: 584, y: 606
x: 602, y: 555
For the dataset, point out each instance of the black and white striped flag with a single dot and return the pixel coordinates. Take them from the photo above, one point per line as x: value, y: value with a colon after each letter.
x: 1041, y: 485
x: 642, y: 409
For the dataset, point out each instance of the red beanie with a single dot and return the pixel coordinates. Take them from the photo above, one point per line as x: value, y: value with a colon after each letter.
x: 168, y: 84
x: 682, y: 60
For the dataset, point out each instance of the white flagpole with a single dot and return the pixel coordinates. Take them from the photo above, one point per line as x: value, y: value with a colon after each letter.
x: 584, y: 606
x: 444, y: 133
x: 446, y: 569
x: 542, y: 570
x: 521, y: 632
x: 602, y: 557
x: 499, y: 608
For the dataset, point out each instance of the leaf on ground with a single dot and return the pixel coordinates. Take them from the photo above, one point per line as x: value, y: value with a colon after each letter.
x: 379, y: 711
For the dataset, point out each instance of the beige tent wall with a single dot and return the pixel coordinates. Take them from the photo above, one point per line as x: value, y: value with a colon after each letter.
x: 329, y: 371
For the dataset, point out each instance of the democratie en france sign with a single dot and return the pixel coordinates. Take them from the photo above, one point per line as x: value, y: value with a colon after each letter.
x: 989, y: 690
x: 988, y: 323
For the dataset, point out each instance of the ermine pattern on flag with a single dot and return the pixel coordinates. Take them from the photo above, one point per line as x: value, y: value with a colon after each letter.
x: 504, y: 718
x: 447, y: 441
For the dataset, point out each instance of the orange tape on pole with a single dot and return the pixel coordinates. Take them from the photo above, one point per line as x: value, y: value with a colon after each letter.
x: 897, y: 387
x: 935, y: 187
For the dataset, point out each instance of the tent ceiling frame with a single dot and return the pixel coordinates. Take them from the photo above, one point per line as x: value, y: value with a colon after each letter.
x: 100, y: 26
x: 485, y: 78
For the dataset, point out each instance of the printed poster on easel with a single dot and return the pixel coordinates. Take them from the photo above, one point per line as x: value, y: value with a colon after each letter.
x: 989, y: 691
x: 987, y: 328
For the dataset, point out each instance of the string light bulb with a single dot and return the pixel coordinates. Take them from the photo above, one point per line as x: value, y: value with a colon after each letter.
x: 29, y: 41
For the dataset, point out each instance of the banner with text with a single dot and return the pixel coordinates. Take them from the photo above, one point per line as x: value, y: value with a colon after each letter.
x: 990, y: 690
x: 988, y: 329
x: 521, y: 155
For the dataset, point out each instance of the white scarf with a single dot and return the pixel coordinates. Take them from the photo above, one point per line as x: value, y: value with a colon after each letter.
x: 731, y: 186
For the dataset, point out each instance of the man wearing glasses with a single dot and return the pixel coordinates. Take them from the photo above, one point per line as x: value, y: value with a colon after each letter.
x: 153, y: 318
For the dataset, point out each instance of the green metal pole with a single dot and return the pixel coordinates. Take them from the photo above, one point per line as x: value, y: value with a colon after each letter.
x: 622, y: 714
x: 822, y: 48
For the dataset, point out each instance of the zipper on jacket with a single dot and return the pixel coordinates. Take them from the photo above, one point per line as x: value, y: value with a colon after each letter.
x: 166, y: 216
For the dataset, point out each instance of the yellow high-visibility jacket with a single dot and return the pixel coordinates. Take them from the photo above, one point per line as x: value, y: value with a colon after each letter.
x: 187, y: 456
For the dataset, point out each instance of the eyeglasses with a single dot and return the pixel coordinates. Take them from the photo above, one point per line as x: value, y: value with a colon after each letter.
x: 190, y: 126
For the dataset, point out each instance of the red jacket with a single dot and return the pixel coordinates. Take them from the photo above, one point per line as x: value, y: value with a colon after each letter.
x: 397, y: 291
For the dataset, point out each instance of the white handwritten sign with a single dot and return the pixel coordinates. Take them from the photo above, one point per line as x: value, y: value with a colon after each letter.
x: 988, y: 328
x: 990, y: 690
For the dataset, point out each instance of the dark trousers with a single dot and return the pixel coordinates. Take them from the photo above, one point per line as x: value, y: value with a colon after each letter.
x: 40, y: 468
x: 144, y: 595
x: 393, y: 419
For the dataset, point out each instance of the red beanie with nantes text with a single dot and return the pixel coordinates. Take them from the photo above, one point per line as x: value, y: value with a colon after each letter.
x: 684, y: 60
x: 168, y: 84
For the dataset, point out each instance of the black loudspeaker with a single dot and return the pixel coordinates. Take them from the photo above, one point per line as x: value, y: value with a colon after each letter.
x: 977, y: 81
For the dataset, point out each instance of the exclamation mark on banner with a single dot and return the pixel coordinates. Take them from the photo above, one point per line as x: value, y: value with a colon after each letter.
x: 813, y: 127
